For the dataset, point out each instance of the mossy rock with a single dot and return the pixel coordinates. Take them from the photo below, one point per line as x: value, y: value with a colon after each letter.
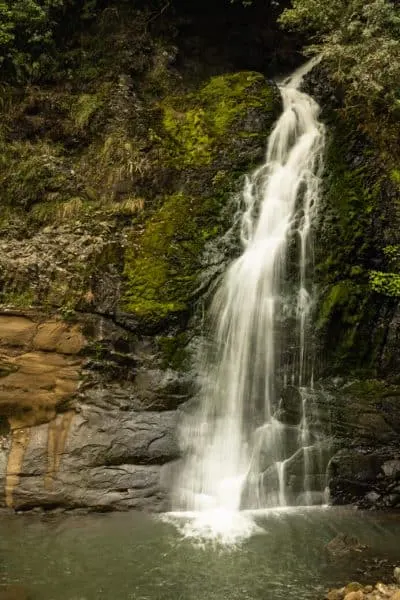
x: 366, y: 410
x: 163, y: 264
x: 228, y: 118
x: 228, y: 105
x: 160, y: 273
x: 85, y: 157
x: 357, y: 253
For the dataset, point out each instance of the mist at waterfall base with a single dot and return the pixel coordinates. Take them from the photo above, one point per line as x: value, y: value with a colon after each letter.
x: 242, y: 450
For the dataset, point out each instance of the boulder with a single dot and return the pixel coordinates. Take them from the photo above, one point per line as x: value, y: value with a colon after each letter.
x: 358, y: 595
x: 343, y: 544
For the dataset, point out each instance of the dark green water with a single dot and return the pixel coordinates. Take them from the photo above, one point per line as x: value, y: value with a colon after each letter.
x: 134, y: 556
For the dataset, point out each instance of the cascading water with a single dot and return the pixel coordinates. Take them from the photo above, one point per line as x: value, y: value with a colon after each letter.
x: 244, y: 447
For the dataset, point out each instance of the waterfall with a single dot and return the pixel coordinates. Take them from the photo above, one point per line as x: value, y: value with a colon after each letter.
x: 246, y: 446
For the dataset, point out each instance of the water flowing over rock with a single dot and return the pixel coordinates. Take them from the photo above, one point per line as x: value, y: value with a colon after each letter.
x: 119, y: 181
x: 243, y: 448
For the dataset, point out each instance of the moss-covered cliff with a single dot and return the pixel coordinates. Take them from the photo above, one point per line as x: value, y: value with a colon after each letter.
x: 112, y: 182
x: 124, y: 158
x: 358, y: 254
x: 357, y: 239
x: 202, y: 135
x: 358, y: 311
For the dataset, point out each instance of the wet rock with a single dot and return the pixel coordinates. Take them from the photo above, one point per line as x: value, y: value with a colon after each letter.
x: 335, y: 594
x: 365, y: 468
x: 109, y: 460
x: 356, y: 475
x: 291, y: 406
x: 355, y: 591
x: 342, y: 545
x: 83, y: 424
x: 358, y: 595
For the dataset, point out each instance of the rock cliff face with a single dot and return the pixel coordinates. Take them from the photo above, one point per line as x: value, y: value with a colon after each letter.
x: 111, y: 189
x: 357, y: 317
x: 115, y: 186
x: 79, y: 430
x: 361, y: 419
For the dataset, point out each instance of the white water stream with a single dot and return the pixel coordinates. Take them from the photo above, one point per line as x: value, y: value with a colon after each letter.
x: 240, y: 452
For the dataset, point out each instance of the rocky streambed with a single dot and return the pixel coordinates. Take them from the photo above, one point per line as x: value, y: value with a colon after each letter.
x: 357, y: 591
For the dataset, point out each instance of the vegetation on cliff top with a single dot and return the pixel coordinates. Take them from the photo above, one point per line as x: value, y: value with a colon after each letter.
x: 29, y: 32
x: 360, y: 40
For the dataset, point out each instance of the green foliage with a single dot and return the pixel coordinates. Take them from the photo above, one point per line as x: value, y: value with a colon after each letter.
x: 28, y: 28
x: 387, y: 284
x: 26, y: 36
x: 17, y: 298
x: 32, y: 173
x: 86, y: 106
x: 360, y: 40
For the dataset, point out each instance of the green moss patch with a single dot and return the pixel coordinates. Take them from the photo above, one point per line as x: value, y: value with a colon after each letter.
x: 196, y: 124
x: 162, y: 265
